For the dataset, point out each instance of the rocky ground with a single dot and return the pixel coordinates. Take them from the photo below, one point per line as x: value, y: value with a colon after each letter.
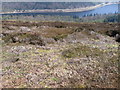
x: 59, y: 55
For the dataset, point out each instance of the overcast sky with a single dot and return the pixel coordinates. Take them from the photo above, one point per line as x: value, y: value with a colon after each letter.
x: 59, y: 0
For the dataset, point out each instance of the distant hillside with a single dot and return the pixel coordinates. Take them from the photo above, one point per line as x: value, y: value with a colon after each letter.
x: 11, y: 6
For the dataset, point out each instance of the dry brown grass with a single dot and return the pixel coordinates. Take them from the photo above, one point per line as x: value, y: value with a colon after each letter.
x: 53, y: 32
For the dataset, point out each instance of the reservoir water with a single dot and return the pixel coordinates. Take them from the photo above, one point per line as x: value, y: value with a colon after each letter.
x: 113, y: 8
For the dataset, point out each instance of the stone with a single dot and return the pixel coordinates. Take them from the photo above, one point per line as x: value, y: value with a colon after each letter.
x: 117, y: 37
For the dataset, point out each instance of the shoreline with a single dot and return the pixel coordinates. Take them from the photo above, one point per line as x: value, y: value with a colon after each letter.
x: 60, y: 10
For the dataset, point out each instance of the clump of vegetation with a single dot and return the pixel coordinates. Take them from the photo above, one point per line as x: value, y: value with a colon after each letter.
x: 30, y: 38
x: 112, y: 33
x: 58, y: 37
x: 81, y: 51
x: 59, y: 25
x: 78, y: 29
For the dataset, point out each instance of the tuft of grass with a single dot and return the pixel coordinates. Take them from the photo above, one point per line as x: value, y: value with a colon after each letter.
x: 54, y: 79
x: 6, y: 68
x: 58, y: 37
